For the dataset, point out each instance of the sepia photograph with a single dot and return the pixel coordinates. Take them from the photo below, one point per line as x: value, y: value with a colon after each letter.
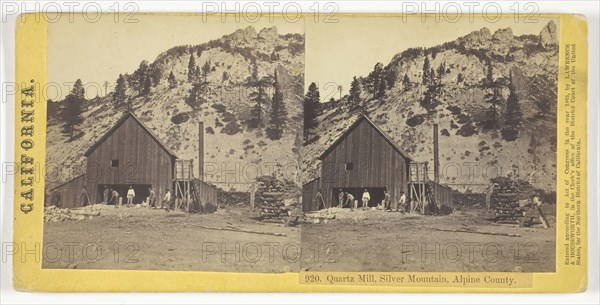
x: 430, y: 146
x: 173, y: 143
x: 335, y: 150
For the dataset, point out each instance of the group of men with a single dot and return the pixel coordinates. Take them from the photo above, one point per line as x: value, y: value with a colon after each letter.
x: 111, y: 196
x: 347, y: 199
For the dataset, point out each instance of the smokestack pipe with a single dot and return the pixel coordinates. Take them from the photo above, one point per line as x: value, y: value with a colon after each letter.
x: 436, y: 154
x: 201, y: 151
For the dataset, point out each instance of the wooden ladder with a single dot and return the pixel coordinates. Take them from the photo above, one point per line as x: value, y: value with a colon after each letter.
x: 431, y: 198
x: 195, y: 196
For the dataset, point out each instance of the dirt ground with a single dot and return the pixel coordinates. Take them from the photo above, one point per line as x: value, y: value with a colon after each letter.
x: 372, y: 240
x: 375, y: 240
x: 148, y: 239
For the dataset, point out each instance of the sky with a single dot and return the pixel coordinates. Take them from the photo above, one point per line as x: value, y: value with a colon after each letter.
x: 335, y: 52
x: 99, y: 52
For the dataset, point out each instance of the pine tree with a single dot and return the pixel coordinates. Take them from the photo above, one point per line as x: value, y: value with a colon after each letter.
x: 374, y: 79
x: 78, y: 89
x: 120, y: 94
x: 138, y: 78
x: 426, y: 71
x: 172, y: 80
x: 278, y: 113
x: 195, y: 96
x: 106, y: 84
x: 260, y: 99
x: 155, y: 73
x: 192, y: 69
x: 390, y: 77
x: 430, y: 99
x: 513, y: 115
x: 311, y: 110
x: 71, y: 114
x: 147, y: 85
x: 493, y: 97
x: 406, y: 84
x: 205, y: 70
x: 354, y: 99
x: 492, y: 116
x: 441, y: 70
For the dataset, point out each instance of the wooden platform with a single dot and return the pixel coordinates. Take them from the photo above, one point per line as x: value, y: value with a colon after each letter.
x: 427, y: 196
x: 192, y: 194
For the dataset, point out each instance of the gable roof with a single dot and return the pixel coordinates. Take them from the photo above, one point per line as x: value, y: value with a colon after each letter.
x: 120, y: 122
x: 361, y: 118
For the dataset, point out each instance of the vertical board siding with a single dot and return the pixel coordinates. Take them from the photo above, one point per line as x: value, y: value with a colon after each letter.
x: 70, y: 193
x: 376, y: 164
x: 309, y: 195
x: 208, y: 194
x: 142, y: 160
x: 442, y: 195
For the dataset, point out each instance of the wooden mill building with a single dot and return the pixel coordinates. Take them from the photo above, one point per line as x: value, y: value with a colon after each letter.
x: 130, y: 154
x: 365, y: 157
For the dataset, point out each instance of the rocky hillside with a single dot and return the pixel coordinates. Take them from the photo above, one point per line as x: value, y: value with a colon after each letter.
x: 470, y: 154
x: 226, y: 67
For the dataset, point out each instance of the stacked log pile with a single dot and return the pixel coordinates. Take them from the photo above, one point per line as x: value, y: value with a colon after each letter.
x: 271, y: 195
x: 509, y: 198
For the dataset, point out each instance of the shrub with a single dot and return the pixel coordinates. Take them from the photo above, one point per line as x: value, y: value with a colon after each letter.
x: 228, y: 116
x: 180, y: 118
x: 415, y: 120
x: 466, y: 130
x: 220, y: 108
x: 455, y: 110
x: 231, y: 128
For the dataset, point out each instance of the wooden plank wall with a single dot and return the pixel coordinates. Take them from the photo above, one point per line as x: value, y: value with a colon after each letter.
x: 376, y: 164
x: 442, y: 195
x: 309, y: 195
x: 69, y: 194
x: 208, y: 195
x: 142, y: 160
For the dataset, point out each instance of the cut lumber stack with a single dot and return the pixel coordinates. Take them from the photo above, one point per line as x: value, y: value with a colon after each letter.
x: 270, y: 194
x: 509, y: 198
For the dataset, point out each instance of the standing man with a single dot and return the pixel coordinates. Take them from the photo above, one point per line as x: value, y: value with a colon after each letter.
x: 320, y: 200
x: 115, y: 198
x: 341, y: 199
x: 387, y: 202
x: 151, y: 199
x: 130, y: 195
x: 402, y: 202
x: 105, y: 195
x: 365, y: 199
x: 353, y: 204
x: 85, y: 199
x: 167, y: 201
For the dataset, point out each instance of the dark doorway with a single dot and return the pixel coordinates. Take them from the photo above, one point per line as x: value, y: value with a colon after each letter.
x: 142, y: 191
x: 376, y: 193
